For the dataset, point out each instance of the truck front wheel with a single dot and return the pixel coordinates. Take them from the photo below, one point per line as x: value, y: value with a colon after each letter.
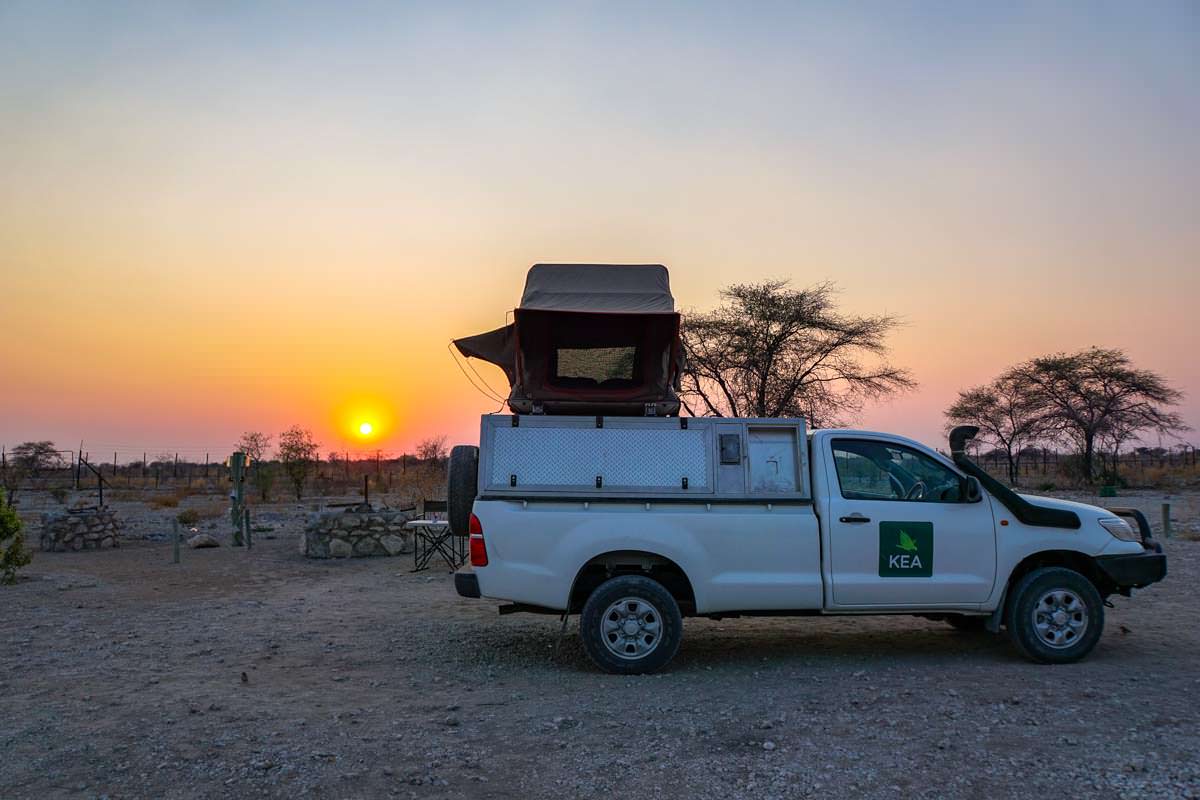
x: 1055, y: 616
x: 631, y: 625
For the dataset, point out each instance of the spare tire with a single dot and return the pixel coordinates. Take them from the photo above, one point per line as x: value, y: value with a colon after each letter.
x: 462, y: 479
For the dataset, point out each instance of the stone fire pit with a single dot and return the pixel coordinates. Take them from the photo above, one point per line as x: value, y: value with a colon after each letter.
x: 91, y: 528
x: 357, y: 531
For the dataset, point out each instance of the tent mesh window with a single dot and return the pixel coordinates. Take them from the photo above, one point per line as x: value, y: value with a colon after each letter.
x: 594, y: 364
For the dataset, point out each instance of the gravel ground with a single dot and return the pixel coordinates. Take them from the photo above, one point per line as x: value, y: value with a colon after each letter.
x: 260, y: 673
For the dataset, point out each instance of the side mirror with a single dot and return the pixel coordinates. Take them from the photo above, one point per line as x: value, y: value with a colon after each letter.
x: 974, y: 492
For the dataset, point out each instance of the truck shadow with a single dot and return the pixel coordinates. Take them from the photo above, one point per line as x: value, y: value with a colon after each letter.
x: 791, y: 642
x: 748, y: 644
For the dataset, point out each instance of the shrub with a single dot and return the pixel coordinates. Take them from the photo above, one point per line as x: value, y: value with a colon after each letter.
x: 59, y: 493
x: 262, y: 475
x: 13, y: 554
x: 164, y: 501
x: 213, y: 509
x: 189, y: 516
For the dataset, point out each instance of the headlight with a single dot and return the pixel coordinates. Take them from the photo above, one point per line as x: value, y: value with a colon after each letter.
x: 1120, y: 529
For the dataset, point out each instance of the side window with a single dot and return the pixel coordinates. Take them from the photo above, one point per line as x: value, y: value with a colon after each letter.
x: 873, y: 470
x: 860, y: 477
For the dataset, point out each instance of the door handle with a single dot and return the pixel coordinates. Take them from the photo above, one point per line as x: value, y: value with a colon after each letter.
x: 855, y: 518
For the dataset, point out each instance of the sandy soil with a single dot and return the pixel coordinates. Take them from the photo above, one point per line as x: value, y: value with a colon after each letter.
x: 260, y: 673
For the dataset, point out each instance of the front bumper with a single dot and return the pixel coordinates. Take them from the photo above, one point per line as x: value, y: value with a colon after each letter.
x: 1135, y: 570
x: 466, y: 584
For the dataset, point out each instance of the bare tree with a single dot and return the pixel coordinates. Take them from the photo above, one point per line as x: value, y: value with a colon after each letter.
x: 772, y: 351
x: 1007, y: 415
x: 255, y: 444
x: 262, y: 474
x: 433, y: 449
x: 1098, y: 393
x: 299, y: 452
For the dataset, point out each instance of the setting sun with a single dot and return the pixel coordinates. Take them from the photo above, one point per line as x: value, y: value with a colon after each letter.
x: 365, y: 429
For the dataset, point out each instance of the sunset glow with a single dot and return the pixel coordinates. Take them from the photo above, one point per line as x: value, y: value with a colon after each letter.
x: 217, y: 218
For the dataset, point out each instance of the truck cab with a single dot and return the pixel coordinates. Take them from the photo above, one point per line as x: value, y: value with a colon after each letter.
x: 658, y: 519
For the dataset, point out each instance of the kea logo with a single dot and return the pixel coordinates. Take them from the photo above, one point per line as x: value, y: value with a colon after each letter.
x: 905, y: 549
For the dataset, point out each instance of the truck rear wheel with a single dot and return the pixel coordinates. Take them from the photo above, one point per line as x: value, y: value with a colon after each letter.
x: 631, y: 625
x: 1055, y: 616
x: 462, y: 479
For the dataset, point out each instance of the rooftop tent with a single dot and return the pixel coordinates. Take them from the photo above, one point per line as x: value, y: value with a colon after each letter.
x: 588, y: 339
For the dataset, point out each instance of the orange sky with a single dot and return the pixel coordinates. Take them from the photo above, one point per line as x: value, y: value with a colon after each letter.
x: 212, y: 222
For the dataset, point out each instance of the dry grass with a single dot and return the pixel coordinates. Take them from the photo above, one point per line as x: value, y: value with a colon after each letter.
x: 173, y: 498
x: 211, y: 509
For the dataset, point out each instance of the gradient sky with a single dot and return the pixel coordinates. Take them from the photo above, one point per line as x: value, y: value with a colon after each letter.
x: 216, y: 217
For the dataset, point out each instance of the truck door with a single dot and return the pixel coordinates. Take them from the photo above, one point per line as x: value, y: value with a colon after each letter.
x: 901, y: 531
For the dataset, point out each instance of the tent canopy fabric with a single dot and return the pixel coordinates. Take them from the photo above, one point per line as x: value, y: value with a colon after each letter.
x: 603, y: 288
x: 588, y: 339
x: 498, y: 347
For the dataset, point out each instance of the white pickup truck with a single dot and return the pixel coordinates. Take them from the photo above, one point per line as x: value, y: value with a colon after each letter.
x: 636, y: 523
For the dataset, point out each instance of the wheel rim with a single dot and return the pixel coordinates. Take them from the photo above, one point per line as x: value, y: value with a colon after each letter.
x: 631, y: 628
x: 1060, y: 618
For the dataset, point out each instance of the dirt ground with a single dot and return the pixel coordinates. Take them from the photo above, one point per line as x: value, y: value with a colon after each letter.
x: 263, y: 674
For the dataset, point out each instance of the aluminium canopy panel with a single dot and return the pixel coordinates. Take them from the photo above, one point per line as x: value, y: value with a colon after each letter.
x: 549, y: 456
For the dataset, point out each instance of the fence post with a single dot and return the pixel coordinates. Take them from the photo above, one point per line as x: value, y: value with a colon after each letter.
x: 1166, y: 520
x: 237, y: 474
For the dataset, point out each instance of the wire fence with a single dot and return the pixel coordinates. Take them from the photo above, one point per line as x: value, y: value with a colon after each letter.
x: 1145, y: 466
x: 345, y: 475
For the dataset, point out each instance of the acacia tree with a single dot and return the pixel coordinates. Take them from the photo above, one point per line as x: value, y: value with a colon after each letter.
x: 1007, y: 415
x: 27, y: 460
x: 36, y: 456
x: 772, y: 351
x: 1098, y: 393
x: 298, y: 451
x: 262, y: 475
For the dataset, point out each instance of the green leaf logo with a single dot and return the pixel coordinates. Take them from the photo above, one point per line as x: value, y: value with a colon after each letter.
x: 906, y: 543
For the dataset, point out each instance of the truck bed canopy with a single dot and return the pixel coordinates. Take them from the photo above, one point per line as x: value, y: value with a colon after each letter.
x: 588, y: 339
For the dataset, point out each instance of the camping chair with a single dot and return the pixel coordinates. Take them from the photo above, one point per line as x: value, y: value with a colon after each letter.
x: 432, y: 537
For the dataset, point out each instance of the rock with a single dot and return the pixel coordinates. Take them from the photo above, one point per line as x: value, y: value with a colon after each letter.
x: 768, y: 745
x: 394, y: 545
x: 203, y: 540
x: 339, y: 548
